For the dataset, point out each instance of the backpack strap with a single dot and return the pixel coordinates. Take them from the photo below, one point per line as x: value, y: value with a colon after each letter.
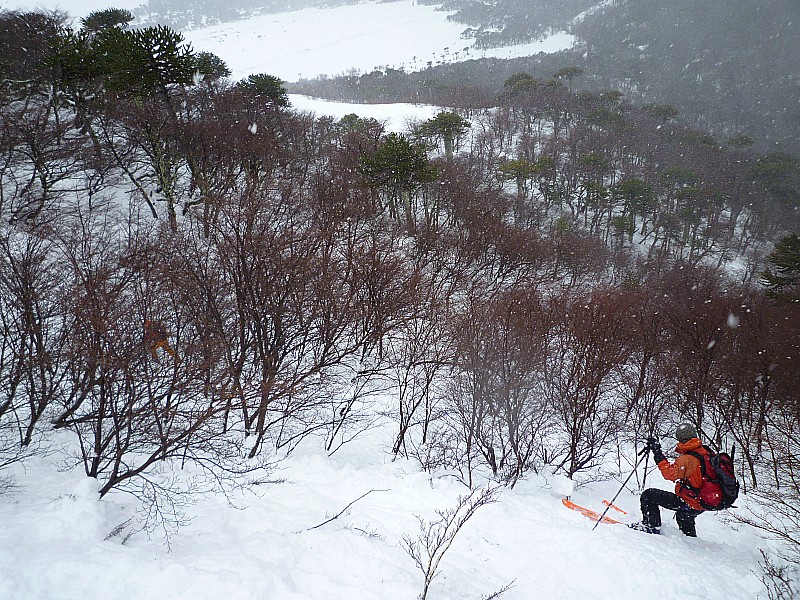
x: 702, y: 460
x: 695, y: 491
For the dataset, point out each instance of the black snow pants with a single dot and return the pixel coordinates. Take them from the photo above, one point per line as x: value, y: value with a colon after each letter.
x: 652, y: 498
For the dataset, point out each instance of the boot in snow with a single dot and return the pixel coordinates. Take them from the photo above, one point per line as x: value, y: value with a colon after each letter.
x: 645, y: 528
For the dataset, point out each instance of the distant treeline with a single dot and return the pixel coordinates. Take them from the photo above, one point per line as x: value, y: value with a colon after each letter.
x: 730, y: 69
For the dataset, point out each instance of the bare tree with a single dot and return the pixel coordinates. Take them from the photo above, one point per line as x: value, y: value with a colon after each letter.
x: 645, y: 378
x: 698, y: 313
x: 31, y: 287
x: 418, y: 355
x: 39, y: 163
x: 582, y: 372
x: 436, y: 537
x: 752, y: 365
x: 295, y: 319
x: 135, y: 416
x: 495, y: 414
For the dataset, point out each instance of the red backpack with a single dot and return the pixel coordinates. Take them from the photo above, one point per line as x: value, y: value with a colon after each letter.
x: 720, y: 488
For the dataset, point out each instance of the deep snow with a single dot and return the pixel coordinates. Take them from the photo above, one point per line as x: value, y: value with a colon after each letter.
x: 53, y: 546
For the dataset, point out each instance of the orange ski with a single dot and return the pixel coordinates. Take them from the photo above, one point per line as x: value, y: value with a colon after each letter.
x: 614, y: 506
x: 588, y: 512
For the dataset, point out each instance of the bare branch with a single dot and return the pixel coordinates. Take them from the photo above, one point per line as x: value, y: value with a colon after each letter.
x: 341, y: 512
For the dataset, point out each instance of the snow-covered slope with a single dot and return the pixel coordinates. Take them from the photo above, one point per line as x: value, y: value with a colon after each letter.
x: 55, y: 541
x: 265, y: 545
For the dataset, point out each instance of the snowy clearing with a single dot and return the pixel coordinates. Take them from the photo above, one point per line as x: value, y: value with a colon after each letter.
x: 363, y: 37
x: 395, y: 116
x: 53, y: 543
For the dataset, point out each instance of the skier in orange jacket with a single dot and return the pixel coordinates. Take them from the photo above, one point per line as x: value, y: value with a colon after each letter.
x: 687, y: 474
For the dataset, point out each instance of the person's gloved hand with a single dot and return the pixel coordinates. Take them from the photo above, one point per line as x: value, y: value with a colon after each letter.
x: 655, y: 447
x: 648, y: 446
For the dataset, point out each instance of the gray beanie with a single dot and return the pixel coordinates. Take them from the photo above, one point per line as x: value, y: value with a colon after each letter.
x: 684, y: 432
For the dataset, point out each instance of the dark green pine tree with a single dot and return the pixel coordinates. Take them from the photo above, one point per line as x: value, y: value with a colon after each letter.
x: 569, y: 73
x: 210, y: 66
x: 783, y: 282
x: 103, y: 19
x: 779, y: 172
x: 398, y: 169
x: 78, y: 83
x: 447, y: 126
x: 637, y: 198
x: 79, y: 61
x: 662, y: 112
x: 145, y: 62
x: 267, y: 87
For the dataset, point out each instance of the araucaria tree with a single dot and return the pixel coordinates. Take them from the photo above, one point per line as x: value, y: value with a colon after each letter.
x: 447, y: 127
x: 396, y: 171
x: 783, y: 279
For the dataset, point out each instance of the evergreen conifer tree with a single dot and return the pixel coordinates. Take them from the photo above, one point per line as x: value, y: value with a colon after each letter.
x: 267, y: 87
x: 784, y: 281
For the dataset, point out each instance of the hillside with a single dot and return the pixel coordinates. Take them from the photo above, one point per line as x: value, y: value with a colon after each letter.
x: 254, y: 344
x: 333, y: 528
x: 730, y: 69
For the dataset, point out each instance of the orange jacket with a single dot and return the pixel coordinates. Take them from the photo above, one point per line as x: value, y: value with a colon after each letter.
x: 685, y: 470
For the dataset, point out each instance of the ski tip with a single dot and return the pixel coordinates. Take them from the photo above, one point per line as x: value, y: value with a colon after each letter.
x: 615, y: 507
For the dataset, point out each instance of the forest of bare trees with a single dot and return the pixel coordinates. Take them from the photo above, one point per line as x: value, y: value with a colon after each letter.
x: 536, y: 285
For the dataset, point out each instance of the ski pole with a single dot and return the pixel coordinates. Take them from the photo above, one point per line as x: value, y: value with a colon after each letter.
x: 642, y: 452
x: 646, y: 458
